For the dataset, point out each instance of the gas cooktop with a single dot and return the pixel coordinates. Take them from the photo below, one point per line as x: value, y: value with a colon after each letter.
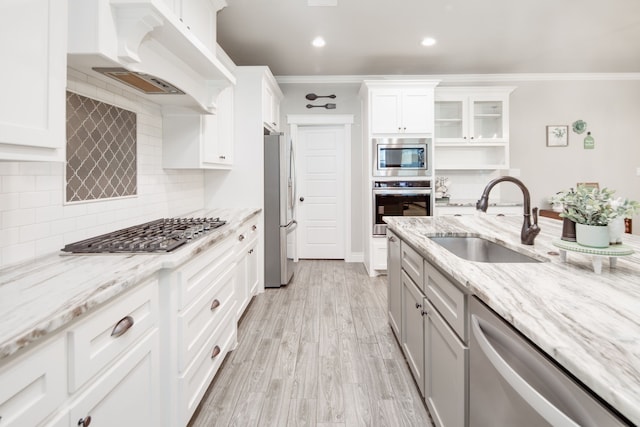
x: 161, y: 235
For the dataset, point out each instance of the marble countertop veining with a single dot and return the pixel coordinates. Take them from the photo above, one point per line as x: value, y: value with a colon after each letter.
x: 588, y: 323
x: 39, y: 297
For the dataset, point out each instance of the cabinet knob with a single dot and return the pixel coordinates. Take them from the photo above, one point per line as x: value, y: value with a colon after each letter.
x: 215, y: 352
x: 121, y: 327
x: 222, y: 157
x: 418, y: 305
x: 241, y: 237
x: 254, y: 227
x: 85, y: 422
x: 274, y: 123
x: 423, y: 312
x: 302, y: 199
x: 215, y: 304
x: 250, y: 251
x: 392, y: 239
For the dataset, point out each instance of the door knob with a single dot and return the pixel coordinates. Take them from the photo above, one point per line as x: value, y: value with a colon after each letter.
x: 302, y: 199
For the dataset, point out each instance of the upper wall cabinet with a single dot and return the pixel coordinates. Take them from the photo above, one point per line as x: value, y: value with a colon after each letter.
x: 472, y: 127
x: 32, y: 106
x: 199, y: 18
x: 271, y: 97
x: 200, y: 141
x: 398, y: 108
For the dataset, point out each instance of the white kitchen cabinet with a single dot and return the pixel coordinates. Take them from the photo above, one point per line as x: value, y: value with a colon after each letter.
x: 198, y: 299
x: 412, y: 330
x: 200, y: 141
x: 397, y: 110
x: 472, y: 128
x: 246, y: 264
x: 394, y: 283
x: 379, y: 253
x: 114, y: 362
x: 34, y: 385
x: 32, y: 105
x: 271, y: 97
x: 127, y: 393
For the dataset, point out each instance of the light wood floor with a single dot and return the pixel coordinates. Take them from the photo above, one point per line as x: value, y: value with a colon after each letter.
x: 318, y: 352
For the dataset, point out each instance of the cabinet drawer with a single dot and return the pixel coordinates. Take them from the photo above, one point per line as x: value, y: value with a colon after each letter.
x: 198, y: 321
x: 96, y: 341
x: 34, y: 385
x: 197, y: 275
x: 448, y: 299
x: 412, y: 263
x: 195, y: 381
x: 128, y: 392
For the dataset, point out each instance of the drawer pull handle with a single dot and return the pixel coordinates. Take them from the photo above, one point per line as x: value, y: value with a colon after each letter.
x: 215, y: 304
x: 254, y: 227
x: 85, y: 422
x: 121, y: 327
x: 418, y: 305
x: 241, y: 237
x: 215, y: 352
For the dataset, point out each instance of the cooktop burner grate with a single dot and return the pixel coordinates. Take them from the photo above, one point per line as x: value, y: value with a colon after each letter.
x: 161, y: 235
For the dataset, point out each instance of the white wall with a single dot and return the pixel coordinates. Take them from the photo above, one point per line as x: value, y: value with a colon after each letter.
x: 347, y: 102
x: 34, y: 220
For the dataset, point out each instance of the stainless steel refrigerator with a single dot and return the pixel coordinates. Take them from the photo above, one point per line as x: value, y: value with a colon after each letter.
x: 279, y: 210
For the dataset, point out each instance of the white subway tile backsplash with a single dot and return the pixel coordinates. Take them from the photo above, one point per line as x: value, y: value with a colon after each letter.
x: 49, y: 213
x: 18, y: 252
x: 18, y: 217
x: 35, y: 168
x: 49, y: 244
x: 49, y: 183
x: 18, y: 183
x: 33, y: 232
x: 35, y: 199
x: 9, y: 201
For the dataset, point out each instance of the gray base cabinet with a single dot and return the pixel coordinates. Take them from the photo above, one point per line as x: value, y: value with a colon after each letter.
x: 446, y: 361
x: 433, y: 331
x: 394, y: 285
x: 412, y: 330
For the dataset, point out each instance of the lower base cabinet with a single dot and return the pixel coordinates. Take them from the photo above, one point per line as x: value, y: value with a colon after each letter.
x: 394, y: 285
x: 433, y: 335
x: 412, y: 331
x: 127, y: 394
x: 446, y: 362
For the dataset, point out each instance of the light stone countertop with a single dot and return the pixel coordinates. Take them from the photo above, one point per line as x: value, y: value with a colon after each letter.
x: 39, y: 297
x: 588, y: 323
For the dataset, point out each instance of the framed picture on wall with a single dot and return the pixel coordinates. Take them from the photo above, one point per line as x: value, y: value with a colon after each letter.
x: 557, y: 136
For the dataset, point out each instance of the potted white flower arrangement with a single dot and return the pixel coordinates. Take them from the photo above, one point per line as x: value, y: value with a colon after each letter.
x: 592, y: 210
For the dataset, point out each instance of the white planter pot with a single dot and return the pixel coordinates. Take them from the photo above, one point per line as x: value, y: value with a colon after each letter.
x: 616, y: 230
x: 594, y: 236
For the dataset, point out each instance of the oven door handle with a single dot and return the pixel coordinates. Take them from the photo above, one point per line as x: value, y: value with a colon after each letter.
x: 406, y: 192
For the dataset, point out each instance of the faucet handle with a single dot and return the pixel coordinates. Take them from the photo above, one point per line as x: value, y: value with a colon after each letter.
x: 535, y: 215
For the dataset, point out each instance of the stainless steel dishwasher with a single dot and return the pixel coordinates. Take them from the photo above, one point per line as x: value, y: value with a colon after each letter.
x: 512, y: 383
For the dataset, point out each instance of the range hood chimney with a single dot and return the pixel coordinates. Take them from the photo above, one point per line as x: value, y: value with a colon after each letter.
x: 144, y: 45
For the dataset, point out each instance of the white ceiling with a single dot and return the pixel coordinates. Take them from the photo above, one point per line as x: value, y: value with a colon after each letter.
x: 382, y: 37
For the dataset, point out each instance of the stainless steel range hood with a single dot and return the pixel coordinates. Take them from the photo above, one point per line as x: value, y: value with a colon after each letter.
x: 144, y: 45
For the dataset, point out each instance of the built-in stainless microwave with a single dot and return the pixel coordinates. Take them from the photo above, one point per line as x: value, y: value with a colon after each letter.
x: 402, y: 157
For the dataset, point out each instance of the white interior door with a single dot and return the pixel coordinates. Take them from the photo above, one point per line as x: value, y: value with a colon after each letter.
x: 321, y: 204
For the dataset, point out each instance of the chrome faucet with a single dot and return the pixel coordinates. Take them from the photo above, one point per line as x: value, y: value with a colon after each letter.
x: 529, y: 231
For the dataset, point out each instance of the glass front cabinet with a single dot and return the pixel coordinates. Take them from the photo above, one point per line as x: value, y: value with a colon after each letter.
x: 472, y: 127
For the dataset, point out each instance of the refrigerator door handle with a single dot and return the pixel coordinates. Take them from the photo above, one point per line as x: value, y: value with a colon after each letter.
x: 290, y: 225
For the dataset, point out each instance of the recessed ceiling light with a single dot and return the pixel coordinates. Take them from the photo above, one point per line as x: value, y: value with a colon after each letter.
x: 318, y: 42
x: 428, y: 41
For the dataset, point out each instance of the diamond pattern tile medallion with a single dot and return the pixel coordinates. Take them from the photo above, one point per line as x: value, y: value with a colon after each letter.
x: 101, y: 150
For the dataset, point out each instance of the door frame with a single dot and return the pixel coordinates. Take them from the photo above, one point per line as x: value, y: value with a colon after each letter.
x: 295, y: 121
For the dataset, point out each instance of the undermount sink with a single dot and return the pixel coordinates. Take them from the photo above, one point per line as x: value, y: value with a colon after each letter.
x: 481, y: 250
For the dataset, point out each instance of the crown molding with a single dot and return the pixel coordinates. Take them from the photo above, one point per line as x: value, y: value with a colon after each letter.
x: 461, y: 78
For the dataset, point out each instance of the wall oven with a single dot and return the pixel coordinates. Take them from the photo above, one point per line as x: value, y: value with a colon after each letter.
x: 400, y: 198
x: 402, y: 157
